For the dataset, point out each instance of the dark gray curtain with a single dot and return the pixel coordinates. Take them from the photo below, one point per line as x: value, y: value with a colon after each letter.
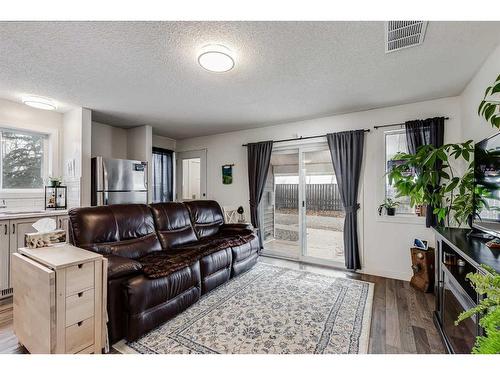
x: 346, y: 149
x: 425, y: 132
x: 163, y: 177
x: 259, y: 157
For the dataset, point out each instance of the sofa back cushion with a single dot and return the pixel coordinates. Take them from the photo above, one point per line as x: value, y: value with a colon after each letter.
x: 123, y: 229
x: 206, y: 217
x: 173, y: 224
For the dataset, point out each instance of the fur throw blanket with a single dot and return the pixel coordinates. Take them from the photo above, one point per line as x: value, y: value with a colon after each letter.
x: 164, y: 263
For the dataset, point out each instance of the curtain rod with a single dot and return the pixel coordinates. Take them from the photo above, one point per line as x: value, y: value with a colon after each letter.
x: 400, y: 124
x: 302, y: 138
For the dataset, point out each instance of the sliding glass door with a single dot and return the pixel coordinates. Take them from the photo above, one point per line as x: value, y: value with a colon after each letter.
x: 279, y: 208
x: 301, y: 210
x: 323, y: 213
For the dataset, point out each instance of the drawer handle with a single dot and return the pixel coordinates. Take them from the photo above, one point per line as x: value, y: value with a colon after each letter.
x: 80, y: 294
x: 80, y: 323
x: 80, y: 265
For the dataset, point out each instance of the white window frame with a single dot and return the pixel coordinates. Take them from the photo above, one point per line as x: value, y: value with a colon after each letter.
x: 46, y: 164
x: 406, y: 218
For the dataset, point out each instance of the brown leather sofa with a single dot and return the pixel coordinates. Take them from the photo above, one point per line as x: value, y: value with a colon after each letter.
x: 161, y: 257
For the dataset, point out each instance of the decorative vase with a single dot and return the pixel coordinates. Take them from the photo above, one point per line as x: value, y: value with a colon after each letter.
x: 421, y: 210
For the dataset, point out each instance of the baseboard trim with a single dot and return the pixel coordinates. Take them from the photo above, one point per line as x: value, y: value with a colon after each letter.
x: 387, y: 273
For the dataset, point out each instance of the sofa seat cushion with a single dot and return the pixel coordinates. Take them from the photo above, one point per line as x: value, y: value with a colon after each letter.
x: 235, y: 229
x: 120, y: 266
x: 163, y: 263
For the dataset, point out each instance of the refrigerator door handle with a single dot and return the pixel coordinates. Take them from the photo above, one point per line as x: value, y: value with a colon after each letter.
x: 105, y: 177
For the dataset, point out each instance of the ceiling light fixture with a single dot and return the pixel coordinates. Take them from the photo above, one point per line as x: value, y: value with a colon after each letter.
x: 216, y: 58
x: 38, y: 102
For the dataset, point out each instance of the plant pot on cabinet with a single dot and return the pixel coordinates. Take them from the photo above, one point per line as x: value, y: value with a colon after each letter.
x: 391, y: 211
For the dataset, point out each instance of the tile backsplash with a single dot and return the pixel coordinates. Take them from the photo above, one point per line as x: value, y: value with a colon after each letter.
x: 31, y: 203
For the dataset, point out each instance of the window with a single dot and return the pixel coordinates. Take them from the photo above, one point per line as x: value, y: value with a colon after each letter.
x: 23, y: 161
x: 162, y: 175
x: 395, y: 141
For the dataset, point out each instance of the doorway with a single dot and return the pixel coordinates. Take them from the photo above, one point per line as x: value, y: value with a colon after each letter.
x: 301, y: 208
x: 191, y: 175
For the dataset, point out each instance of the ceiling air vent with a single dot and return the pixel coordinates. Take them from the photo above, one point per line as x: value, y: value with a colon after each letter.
x: 403, y: 34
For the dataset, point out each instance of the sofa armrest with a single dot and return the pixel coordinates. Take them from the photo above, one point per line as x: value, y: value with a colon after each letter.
x: 236, y: 228
x: 120, y: 266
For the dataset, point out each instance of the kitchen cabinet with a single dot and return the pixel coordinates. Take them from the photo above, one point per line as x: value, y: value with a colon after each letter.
x: 18, y: 229
x: 4, y: 258
x: 12, y: 233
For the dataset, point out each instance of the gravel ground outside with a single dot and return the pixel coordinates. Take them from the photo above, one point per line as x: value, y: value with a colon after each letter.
x: 287, y: 225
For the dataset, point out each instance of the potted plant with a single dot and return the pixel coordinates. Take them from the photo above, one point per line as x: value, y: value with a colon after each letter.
x: 488, y: 310
x: 435, y: 182
x: 490, y: 107
x: 390, y: 207
x: 55, y: 181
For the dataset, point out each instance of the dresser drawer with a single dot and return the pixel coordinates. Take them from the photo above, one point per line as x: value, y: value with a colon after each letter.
x: 79, y: 278
x: 80, y: 336
x: 79, y: 307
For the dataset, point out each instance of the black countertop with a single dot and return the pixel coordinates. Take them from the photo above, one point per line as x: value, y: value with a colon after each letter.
x: 473, y: 250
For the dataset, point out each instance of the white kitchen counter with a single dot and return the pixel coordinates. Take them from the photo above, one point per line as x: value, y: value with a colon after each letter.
x: 20, y: 214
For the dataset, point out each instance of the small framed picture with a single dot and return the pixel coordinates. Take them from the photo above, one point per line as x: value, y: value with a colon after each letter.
x: 420, y: 244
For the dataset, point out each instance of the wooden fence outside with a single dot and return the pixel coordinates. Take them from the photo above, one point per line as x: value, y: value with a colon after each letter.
x: 319, y: 197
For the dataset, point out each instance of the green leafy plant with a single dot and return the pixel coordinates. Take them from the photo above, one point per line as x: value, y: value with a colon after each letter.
x: 428, y: 178
x: 488, y: 308
x: 490, y: 109
x: 388, y: 205
x: 55, y: 181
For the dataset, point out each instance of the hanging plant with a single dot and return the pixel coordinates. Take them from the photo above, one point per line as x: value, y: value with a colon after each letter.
x: 490, y: 109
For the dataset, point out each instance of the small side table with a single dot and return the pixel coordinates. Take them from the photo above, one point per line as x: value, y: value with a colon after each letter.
x: 59, y: 299
x: 423, y: 269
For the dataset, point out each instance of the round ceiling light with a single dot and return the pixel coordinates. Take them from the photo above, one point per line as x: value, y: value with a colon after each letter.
x: 216, y: 58
x: 38, y: 102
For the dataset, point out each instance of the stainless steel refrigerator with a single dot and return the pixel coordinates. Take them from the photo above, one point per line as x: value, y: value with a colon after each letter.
x: 116, y: 181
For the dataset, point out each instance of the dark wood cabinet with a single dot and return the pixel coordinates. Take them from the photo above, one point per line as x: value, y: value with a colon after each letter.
x: 456, y: 256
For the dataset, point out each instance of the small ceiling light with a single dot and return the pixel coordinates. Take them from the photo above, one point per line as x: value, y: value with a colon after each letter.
x: 216, y: 58
x: 38, y: 102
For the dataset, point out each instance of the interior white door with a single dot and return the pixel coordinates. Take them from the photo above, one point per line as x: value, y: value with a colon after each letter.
x: 191, y: 175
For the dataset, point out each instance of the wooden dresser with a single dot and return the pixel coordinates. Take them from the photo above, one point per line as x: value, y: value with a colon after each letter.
x: 59, y: 299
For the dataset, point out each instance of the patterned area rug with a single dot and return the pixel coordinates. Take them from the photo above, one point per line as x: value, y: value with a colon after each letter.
x: 272, y: 310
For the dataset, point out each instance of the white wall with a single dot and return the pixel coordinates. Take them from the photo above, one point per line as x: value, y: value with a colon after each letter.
x: 140, y: 147
x: 109, y: 141
x: 475, y: 127
x: 19, y: 116
x: 164, y: 142
x: 77, y: 137
x: 385, y: 245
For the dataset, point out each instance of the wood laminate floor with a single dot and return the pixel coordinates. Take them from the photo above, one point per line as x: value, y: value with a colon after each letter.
x: 401, y: 316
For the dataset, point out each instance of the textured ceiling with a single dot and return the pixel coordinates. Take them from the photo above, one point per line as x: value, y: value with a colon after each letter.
x: 134, y: 73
